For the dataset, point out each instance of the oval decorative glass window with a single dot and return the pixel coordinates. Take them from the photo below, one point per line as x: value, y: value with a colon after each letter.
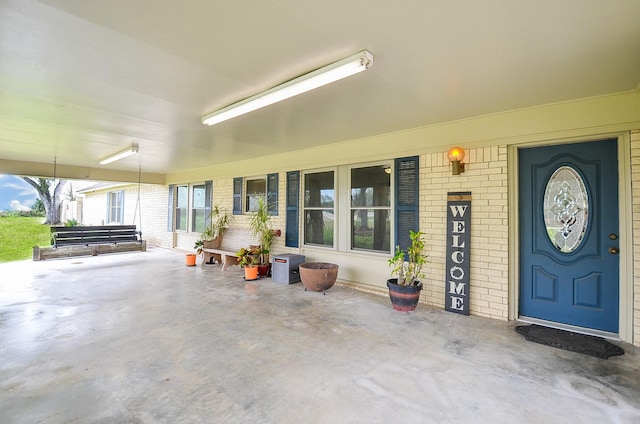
x: 566, y: 209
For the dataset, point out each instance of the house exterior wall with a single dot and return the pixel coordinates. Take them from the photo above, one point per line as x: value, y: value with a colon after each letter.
x: 485, y: 177
x: 150, y: 216
x: 153, y: 214
x: 491, y: 145
x: 94, y: 208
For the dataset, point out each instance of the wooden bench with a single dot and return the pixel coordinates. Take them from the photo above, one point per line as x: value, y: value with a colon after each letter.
x: 232, y: 241
x: 90, y: 240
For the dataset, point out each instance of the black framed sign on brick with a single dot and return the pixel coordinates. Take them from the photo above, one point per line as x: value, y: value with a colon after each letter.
x: 458, y: 248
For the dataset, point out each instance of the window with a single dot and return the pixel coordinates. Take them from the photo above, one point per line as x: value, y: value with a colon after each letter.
x: 319, y: 203
x: 371, y: 208
x: 115, y: 207
x: 566, y: 209
x: 181, y: 216
x: 182, y: 208
x: 256, y: 189
x: 365, y: 208
x: 198, y: 208
x: 265, y: 188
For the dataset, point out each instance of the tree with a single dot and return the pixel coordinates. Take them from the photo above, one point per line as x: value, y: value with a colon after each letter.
x: 71, y: 195
x: 38, y: 208
x: 51, y: 199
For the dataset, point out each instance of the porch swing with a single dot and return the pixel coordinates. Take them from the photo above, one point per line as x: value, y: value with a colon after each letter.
x: 93, y: 240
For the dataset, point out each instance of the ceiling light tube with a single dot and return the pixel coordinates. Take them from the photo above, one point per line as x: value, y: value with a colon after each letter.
x: 343, y: 68
x: 120, y: 155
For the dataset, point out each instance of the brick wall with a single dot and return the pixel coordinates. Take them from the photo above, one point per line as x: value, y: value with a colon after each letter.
x: 635, y: 187
x: 153, y: 211
x: 486, y: 178
x: 223, y: 195
x: 150, y: 216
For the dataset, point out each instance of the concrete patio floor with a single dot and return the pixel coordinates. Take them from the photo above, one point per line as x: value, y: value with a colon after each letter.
x: 141, y: 338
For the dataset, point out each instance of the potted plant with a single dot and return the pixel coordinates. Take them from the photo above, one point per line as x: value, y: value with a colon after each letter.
x: 220, y: 218
x: 211, y: 237
x: 190, y: 258
x: 404, y: 289
x: 261, y: 226
x: 249, y: 261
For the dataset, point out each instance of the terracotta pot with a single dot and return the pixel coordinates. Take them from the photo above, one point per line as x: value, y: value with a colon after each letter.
x: 318, y: 276
x: 251, y: 272
x: 404, y: 298
x: 190, y: 259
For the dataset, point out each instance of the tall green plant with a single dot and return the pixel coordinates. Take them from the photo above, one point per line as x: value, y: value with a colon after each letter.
x: 220, y: 219
x: 410, y: 271
x: 261, y: 226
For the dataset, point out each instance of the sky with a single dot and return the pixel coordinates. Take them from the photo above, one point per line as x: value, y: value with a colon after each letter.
x: 15, y: 194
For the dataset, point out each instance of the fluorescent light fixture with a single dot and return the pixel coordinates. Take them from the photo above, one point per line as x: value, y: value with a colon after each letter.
x: 341, y: 69
x: 120, y: 155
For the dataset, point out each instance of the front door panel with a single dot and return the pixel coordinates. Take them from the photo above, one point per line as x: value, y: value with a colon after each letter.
x: 569, y: 263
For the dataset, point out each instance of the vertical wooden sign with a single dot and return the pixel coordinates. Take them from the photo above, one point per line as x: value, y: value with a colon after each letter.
x: 458, y: 248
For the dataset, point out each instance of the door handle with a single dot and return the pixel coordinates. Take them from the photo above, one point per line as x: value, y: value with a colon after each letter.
x: 614, y: 250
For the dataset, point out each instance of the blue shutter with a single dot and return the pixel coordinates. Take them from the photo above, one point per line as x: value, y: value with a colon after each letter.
x: 272, y: 194
x: 293, y: 200
x: 170, y: 220
x: 407, y: 171
x: 237, y: 196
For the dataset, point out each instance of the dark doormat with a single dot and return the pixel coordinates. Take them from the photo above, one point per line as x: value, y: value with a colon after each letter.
x: 567, y: 340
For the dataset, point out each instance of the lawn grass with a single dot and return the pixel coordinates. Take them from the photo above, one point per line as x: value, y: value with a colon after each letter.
x: 19, y: 234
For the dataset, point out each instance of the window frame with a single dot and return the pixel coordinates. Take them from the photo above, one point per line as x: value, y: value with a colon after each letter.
x: 177, y: 208
x: 348, y: 227
x: 119, y: 205
x: 246, y: 207
x: 193, y: 210
x: 304, y: 208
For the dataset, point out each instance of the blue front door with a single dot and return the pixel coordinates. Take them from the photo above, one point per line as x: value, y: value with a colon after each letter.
x: 569, y: 263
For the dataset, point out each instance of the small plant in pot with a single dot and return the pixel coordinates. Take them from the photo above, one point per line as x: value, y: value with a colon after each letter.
x: 404, y: 289
x: 249, y: 259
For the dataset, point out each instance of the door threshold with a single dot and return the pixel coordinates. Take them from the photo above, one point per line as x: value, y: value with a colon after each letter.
x: 573, y: 328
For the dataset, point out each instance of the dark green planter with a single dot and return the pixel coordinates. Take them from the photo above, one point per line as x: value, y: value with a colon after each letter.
x: 404, y: 298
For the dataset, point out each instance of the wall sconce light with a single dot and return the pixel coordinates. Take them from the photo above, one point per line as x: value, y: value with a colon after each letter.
x: 456, y: 155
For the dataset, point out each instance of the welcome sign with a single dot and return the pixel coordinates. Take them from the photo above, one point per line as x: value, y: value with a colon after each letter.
x: 458, y: 248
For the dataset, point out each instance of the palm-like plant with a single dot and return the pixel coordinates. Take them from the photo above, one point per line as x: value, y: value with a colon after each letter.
x: 261, y: 226
x: 220, y: 219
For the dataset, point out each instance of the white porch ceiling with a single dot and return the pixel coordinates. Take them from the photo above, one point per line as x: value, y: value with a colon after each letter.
x: 80, y: 79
